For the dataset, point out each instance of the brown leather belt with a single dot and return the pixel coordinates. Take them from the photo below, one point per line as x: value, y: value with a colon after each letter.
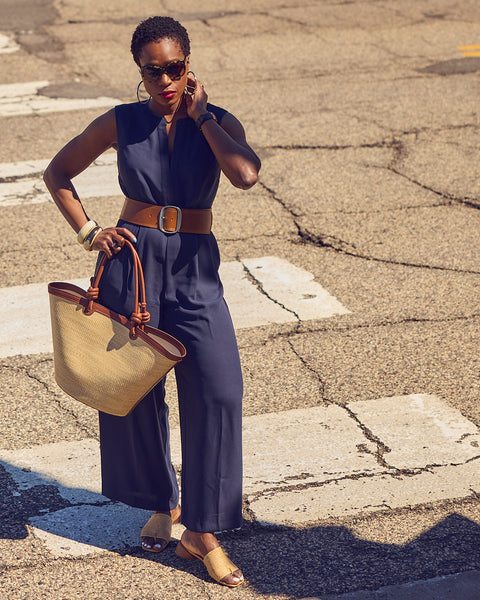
x: 169, y: 219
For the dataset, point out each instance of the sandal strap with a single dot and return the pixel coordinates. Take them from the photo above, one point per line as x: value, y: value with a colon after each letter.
x: 159, y: 526
x: 218, y: 564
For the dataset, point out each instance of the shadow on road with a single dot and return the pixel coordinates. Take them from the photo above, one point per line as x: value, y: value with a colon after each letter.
x: 298, y: 563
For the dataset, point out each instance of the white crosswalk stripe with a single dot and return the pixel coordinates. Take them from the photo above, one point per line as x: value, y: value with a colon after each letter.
x: 250, y: 304
x: 433, y: 455
x: 21, y: 182
x: 19, y: 99
x: 8, y: 44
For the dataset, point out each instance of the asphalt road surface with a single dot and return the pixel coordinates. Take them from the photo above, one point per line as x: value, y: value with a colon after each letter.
x: 352, y: 271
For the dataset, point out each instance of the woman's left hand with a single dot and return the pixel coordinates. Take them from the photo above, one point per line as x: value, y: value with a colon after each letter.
x: 196, y: 105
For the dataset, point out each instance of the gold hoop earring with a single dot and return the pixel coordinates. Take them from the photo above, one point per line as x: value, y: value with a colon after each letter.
x: 138, y: 95
x: 190, y: 89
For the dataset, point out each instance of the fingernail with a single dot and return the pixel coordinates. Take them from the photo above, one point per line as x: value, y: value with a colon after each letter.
x: 135, y: 239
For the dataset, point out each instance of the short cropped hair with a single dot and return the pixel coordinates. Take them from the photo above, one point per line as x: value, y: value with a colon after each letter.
x: 156, y: 28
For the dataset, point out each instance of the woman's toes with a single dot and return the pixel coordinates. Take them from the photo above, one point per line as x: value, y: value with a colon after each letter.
x: 159, y: 546
x: 149, y: 543
x: 234, y: 578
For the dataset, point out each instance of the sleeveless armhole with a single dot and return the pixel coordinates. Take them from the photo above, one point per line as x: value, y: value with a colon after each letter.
x: 120, y: 110
x: 217, y: 111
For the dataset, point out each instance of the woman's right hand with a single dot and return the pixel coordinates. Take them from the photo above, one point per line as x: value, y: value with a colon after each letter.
x: 112, y: 239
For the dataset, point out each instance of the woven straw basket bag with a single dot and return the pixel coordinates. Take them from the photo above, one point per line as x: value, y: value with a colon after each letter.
x: 104, y: 359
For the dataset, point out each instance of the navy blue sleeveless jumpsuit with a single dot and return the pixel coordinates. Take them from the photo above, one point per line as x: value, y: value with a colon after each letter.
x: 185, y: 298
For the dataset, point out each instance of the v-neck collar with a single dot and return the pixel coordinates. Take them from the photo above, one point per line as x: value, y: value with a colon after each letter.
x: 162, y: 122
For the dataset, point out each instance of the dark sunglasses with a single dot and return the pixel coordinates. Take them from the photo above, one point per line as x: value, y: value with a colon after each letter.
x: 174, y: 70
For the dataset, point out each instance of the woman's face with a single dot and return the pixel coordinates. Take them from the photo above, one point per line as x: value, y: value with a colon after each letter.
x: 165, y: 88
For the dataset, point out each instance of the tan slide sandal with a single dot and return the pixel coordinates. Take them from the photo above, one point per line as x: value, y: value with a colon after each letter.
x: 159, y: 529
x: 217, y: 562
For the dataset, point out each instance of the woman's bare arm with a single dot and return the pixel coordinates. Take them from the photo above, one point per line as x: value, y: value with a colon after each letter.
x: 74, y: 158
x: 236, y: 159
x: 228, y: 143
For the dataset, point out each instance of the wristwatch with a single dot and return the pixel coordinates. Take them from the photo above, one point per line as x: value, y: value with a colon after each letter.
x: 205, y: 117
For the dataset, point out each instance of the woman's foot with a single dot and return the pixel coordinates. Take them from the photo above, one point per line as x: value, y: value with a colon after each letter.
x: 198, y: 545
x: 162, y: 528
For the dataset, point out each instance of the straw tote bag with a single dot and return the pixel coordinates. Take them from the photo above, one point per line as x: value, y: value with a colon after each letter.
x: 104, y: 359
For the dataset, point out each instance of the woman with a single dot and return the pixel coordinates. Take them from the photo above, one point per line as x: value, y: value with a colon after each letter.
x: 171, y: 149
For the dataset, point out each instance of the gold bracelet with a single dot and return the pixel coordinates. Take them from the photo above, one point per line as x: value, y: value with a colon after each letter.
x: 85, y: 230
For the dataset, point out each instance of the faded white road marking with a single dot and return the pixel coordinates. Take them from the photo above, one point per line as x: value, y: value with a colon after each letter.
x: 433, y: 454
x: 336, y: 473
x: 22, y: 181
x: 248, y: 306
x: 419, y: 430
x: 30, y: 333
x: 72, y: 466
x: 17, y: 99
x: 353, y: 496
x: 310, y: 445
x: 293, y: 288
x: 22, y: 168
x: 8, y: 44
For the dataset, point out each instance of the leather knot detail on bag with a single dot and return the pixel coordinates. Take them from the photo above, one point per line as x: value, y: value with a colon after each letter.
x: 136, y: 318
x: 145, y: 315
x: 92, y: 293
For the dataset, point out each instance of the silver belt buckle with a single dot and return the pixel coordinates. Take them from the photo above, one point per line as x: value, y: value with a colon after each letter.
x: 161, y: 218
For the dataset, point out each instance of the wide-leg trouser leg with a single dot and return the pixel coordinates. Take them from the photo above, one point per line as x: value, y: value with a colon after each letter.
x: 210, y: 388
x: 135, y: 453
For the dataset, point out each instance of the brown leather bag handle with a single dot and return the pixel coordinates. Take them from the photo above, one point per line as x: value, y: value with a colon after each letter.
x: 140, y: 315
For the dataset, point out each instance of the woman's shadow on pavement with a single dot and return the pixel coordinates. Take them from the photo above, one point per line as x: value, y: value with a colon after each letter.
x: 297, y: 563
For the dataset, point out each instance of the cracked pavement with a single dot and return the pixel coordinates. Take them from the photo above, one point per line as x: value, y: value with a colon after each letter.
x: 366, y: 117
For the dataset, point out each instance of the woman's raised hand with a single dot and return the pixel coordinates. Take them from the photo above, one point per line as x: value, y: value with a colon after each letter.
x: 196, y: 103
